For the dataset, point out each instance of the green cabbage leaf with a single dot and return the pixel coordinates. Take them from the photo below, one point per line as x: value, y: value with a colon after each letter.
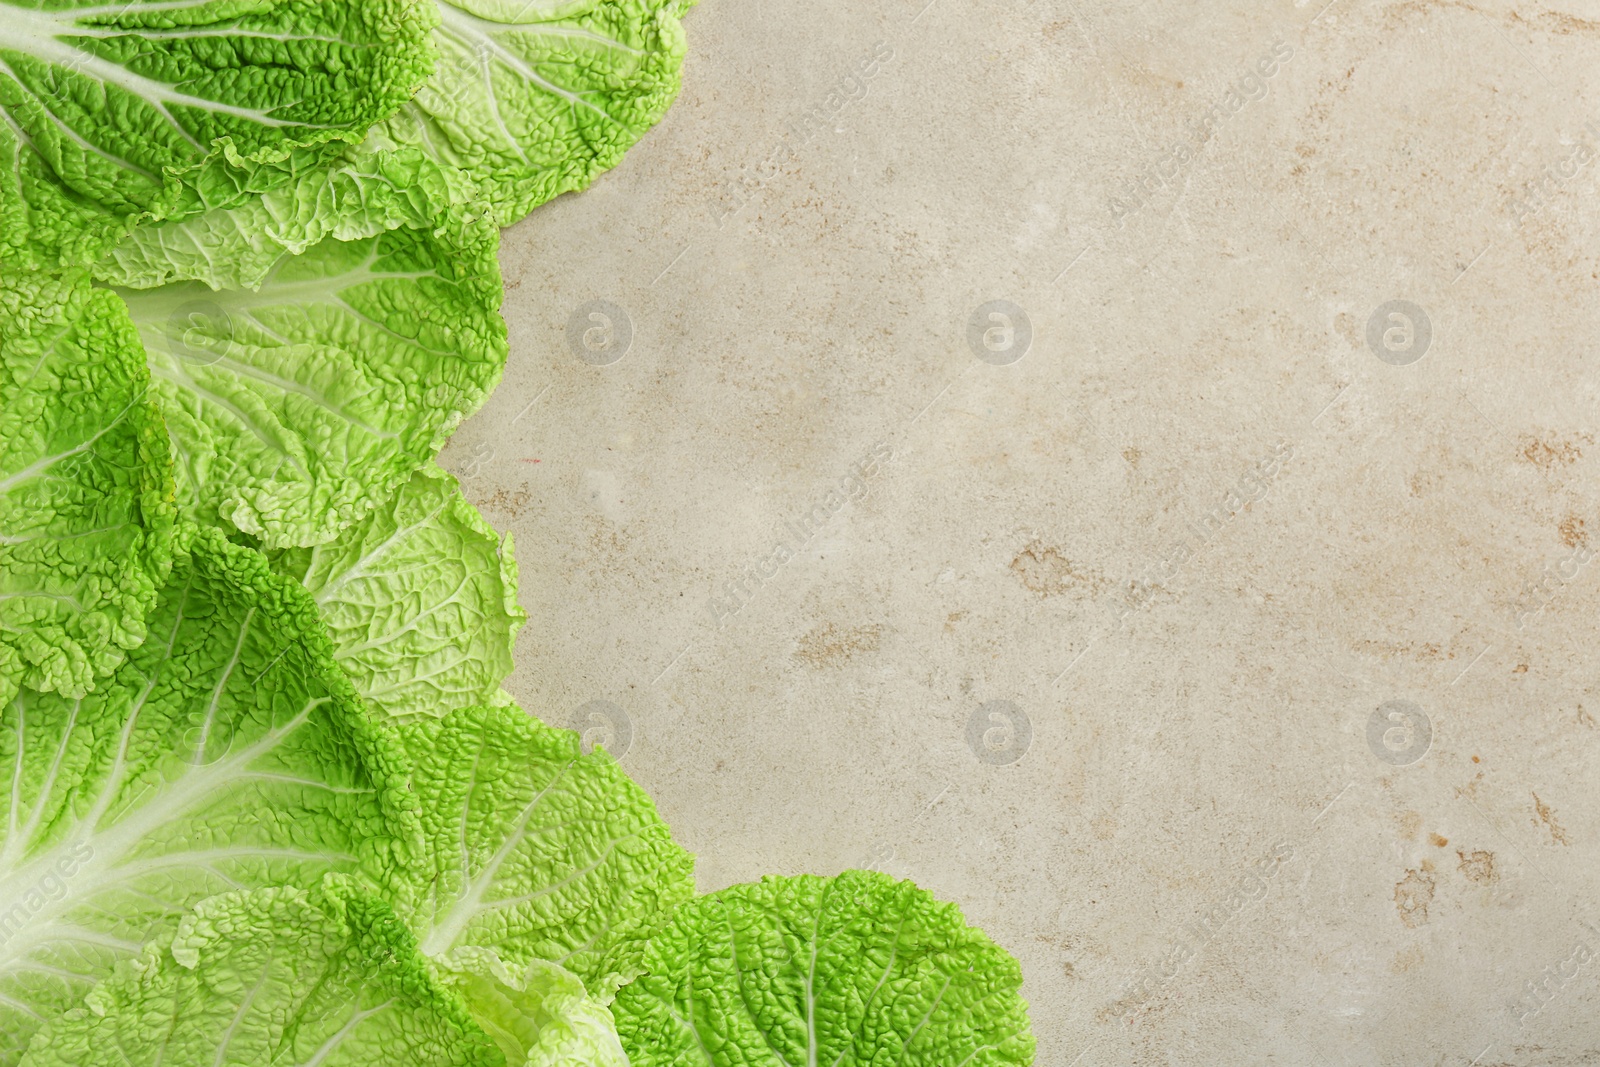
x: 270, y: 977
x: 536, y: 850
x: 297, y: 408
x: 420, y: 598
x: 116, y: 112
x: 363, y: 193
x: 228, y: 752
x: 263, y: 801
x: 847, y: 971
x: 531, y: 99
x: 538, y: 1015
x: 86, y: 514
x: 534, y: 98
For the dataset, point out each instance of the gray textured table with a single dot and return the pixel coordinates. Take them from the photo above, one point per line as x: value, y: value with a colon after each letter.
x: 1213, y: 618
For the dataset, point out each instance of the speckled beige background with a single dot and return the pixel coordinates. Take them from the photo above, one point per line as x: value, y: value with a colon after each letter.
x: 1092, y: 641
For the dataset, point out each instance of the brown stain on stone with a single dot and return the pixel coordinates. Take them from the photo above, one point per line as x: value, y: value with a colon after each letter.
x: 1477, y: 865
x: 1559, y: 23
x: 1470, y: 790
x: 1410, y: 824
x: 1425, y: 482
x: 1546, y: 817
x: 1345, y: 324
x: 1572, y: 532
x: 605, y: 537
x: 830, y: 645
x: 1412, y: 895
x: 1407, y: 959
x: 1438, y: 840
x: 1042, y: 569
x: 1133, y: 456
x: 1424, y: 651
x: 1550, y: 451
x: 512, y: 503
x: 951, y: 619
x: 1553, y: 22
x: 1397, y: 15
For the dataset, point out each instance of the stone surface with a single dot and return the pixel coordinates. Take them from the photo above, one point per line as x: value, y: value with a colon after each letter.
x: 1229, y: 663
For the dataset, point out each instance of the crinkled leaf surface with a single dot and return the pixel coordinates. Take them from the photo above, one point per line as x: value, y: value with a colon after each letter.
x: 297, y: 408
x: 86, y: 515
x: 532, y: 98
x: 539, y: 1014
x: 361, y: 194
x: 121, y: 110
x: 228, y: 752
x: 420, y: 598
x: 842, y: 972
x: 272, y: 977
x: 536, y: 850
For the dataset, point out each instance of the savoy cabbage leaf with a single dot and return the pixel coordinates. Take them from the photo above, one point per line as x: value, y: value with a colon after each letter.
x: 361, y: 194
x: 212, y: 849
x: 840, y: 972
x: 536, y: 850
x: 539, y: 1015
x: 420, y: 598
x: 297, y: 408
x: 227, y: 752
x: 86, y: 515
x: 533, y: 98
x: 113, y: 112
x: 271, y: 977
